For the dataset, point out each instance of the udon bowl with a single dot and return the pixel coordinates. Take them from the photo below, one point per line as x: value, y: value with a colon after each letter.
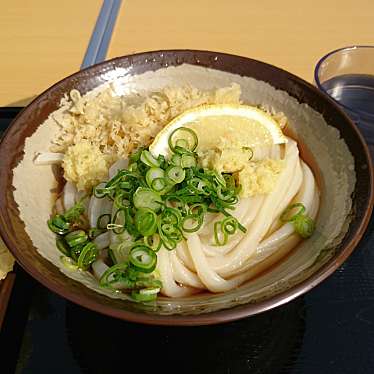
x: 328, y: 140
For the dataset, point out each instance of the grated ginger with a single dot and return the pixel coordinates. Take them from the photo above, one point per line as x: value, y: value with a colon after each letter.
x: 225, y: 160
x: 85, y: 165
x: 259, y: 177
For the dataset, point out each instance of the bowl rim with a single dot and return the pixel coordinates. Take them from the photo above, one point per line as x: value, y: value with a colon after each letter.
x: 224, y: 315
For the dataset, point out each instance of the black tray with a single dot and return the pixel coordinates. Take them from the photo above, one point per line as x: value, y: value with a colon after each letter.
x: 328, y: 330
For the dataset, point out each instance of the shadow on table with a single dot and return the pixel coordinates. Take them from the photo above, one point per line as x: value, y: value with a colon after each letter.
x: 266, y: 343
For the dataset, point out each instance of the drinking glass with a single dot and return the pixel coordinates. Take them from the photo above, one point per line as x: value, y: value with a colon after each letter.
x: 347, y: 76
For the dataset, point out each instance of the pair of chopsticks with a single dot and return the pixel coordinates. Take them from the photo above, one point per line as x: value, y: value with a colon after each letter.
x: 102, y: 33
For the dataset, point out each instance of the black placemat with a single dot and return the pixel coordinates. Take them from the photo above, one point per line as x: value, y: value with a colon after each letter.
x: 328, y: 330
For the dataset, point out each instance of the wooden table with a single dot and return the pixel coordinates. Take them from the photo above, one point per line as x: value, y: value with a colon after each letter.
x: 42, y: 41
x: 291, y: 34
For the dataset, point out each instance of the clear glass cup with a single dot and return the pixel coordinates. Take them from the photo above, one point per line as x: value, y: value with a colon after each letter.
x: 347, y: 76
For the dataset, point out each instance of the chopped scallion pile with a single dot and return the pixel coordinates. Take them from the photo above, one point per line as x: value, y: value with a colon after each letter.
x: 156, y: 203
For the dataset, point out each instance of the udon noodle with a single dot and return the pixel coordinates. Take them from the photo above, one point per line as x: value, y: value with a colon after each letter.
x: 198, y: 265
x: 167, y: 222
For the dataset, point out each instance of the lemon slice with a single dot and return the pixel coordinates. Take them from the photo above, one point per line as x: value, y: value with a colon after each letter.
x: 222, y: 125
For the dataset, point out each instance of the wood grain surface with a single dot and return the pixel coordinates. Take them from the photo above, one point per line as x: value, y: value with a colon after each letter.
x: 291, y: 34
x: 41, y: 41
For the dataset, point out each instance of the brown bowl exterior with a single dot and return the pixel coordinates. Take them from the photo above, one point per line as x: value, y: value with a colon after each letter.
x: 12, y: 228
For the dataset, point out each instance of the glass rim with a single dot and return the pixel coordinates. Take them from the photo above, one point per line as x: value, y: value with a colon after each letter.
x: 320, y: 87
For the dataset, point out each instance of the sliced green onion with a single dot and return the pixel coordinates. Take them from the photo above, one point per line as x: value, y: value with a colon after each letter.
x: 192, y: 222
x: 159, y: 184
x: 58, y: 225
x: 220, y: 236
x: 176, y: 160
x: 126, y: 185
x: 188, y: 161
x: 153, y: 241
x: 182, y: 143
x: 129, y: 222
x: 134, y: 157
x: 168, y: 243
x: 146, y: 221
x: 147, y: 158
x: 147, y: 281
x: 111, y: 256
x: 121, y: 200
x: 304, y: 226
x: 116, y: 179
x: 199, y: 186
x: 162, y: 161
x: 113, y: 275
x: 171, y: 215
x: 87, y: 256
x: 143, y: 258
x: 168, y: 228
x: 156, y: 202
x: 62, y: 246
x: 146, y: 294
x: 198, y: 208
x: 101, y: 192
x: 94, y: 232
x: 153, y: 174
x: 118, y: 222
x: 230, y: 225
x: 229, y: 181
x: 284, y: 216
x: 75, y: 238
x: 189, y: 136
x: 74, y: 213
x: 221, y: 180
x: 121, y: 251
x: 176, y: 174
x: 147, y: 198
x: 76, y: 251
x: 227, y: 195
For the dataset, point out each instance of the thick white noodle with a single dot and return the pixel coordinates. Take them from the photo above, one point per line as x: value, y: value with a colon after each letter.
x: 253, y: 205
x: 229, y: 264
x: 305, y: 196
x: 103, y: 240
x: 182, y: 274
x: 184, y: 255
x: 97, y: 207
x: 280, y: 242
x: 99, y: 268
x: 169, y: 286
x: 212, y: 281
x: 197, y: 263
x: 68, y: 195
x: 48, y: 158
x: 118, y: 165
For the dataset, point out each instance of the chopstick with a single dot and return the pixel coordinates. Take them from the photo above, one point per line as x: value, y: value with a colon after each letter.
x: 102, y: 33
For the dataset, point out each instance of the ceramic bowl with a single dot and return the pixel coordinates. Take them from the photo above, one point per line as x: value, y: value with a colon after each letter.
x: 328, y: 139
